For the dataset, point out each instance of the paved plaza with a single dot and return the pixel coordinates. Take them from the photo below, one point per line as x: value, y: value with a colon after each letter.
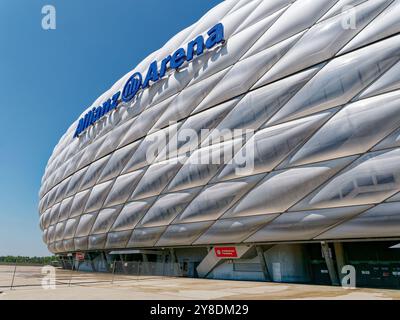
x: 82, y: 285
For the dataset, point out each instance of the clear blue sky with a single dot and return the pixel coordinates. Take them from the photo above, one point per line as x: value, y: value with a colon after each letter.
x: 47, y: 78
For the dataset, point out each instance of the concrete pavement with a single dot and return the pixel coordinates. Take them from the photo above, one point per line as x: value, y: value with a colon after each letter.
x: 88, y: 286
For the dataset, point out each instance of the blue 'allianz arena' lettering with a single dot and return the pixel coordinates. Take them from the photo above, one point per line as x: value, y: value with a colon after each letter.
x: 96, y: 113
x: 136, y: 82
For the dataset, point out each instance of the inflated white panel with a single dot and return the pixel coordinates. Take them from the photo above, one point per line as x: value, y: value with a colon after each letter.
x: 316, y: 86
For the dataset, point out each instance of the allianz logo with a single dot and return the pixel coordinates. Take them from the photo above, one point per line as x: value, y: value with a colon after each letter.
x: 137, y: 82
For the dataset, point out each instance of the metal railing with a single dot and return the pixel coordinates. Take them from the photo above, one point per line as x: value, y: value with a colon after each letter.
x: 146, y: 269
x: 13, y: 276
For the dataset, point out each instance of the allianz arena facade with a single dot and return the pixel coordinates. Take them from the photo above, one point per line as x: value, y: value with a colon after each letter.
x: 316, y: 82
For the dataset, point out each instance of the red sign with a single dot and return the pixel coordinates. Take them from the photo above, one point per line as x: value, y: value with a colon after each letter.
x: 79, y: 256
x: 225, y: 252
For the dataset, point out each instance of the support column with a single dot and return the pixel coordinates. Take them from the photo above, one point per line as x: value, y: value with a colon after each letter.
x: 121, y: 257
x: 72, y: 262
x: 63, y: 264
x: 340, y: 259
x: 164, y: 259
x: 330, y: 264
x: 263, y: 263
x: 104, y: 257
x: 173, y: 262
x: 91, y: 262
x: 146, y: 267
x: 173, y: 256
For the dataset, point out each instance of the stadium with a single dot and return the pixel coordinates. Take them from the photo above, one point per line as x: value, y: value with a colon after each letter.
x: 260, y: 143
